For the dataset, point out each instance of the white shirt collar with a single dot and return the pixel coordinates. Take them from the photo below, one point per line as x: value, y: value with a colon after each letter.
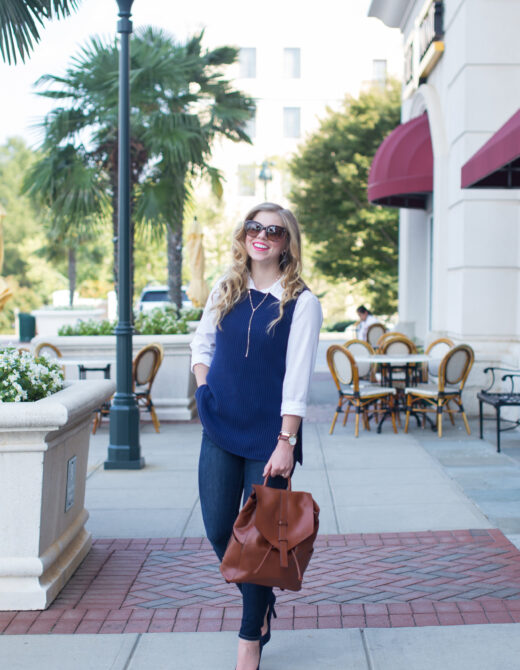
x: 275, y: 290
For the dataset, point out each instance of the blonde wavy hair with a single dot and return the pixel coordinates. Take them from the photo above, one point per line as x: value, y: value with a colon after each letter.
x: 234, y: 286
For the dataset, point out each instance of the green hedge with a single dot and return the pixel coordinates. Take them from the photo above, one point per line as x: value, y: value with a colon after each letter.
x: 160, y: 321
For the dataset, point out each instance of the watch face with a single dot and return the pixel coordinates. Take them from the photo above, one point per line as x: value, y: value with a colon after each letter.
x: 292, y: 440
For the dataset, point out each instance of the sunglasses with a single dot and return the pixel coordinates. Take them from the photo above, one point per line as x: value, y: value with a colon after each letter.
x: 253, y: 229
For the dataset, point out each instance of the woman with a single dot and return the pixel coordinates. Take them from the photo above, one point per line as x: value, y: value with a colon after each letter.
x: 366, y: 319
x: 253, y: 355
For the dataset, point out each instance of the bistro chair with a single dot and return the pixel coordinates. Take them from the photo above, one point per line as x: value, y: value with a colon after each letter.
x: 47, y: 349
x: 345, y: 374
x: 436, y: 350
x: 374, y: 332
x: 145, y: 367
x: 387, y: 336
x: 361, y: 348
x: 397, y: 345
x: 435, y: 398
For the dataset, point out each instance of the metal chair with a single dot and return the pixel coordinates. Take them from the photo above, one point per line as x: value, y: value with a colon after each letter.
x: 345, y: 374
x: 145, y: 367
x: 500, y: 392
x: 453, y: 372
x: 374, y: 332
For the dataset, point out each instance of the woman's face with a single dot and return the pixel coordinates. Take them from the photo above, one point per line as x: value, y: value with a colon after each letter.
x: 261, y: 249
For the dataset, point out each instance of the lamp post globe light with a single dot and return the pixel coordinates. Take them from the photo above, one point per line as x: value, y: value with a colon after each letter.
x: 265, y: 175
x: 124, y: 450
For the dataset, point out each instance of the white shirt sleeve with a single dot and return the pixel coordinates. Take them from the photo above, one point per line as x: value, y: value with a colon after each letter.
x: 203, y: 343
x: 301, y: 354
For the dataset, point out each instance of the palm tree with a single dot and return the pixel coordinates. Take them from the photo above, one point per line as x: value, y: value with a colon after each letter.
x: 88, y: 117
x: 72, y: 194
x: 21, y: 21
x: 190, y: 105
x: 180, y: 102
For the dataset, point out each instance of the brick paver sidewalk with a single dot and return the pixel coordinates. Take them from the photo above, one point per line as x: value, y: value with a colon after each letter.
x: 391, y: 579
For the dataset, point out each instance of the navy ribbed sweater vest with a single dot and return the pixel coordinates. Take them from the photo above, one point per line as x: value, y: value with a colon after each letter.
x: 239, y: 406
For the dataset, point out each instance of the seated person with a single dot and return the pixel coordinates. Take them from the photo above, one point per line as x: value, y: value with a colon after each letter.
x: 366, y: 319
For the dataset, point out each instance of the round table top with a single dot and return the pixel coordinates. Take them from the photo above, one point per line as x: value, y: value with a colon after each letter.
x: 394, y: 360
x: 87, y: 362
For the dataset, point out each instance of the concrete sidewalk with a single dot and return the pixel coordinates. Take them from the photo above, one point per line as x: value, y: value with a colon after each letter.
x: 489, y: 647
x: 393, y: 484
x: 375, y: 484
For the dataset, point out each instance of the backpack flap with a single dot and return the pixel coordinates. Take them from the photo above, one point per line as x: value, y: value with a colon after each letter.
x: 285, y: 518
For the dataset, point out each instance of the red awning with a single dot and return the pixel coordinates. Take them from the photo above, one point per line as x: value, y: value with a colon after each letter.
x: 497, y: 163
x: 401, y: 174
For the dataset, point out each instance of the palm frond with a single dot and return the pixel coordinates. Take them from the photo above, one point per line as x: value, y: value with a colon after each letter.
x: 20, y: 23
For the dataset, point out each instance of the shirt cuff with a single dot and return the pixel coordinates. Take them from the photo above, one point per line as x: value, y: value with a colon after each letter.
x: 205, y: 359
x: 293, y: 407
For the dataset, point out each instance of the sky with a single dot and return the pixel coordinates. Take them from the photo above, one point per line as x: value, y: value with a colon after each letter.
x: 344, y: 21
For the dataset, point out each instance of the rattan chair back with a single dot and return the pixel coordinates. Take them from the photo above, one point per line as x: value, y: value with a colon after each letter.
x: 374, y: 332
x: 455, y: 367
x: 146, y: 364
x: 437, y: 350
x: 360, y: 348
x: 343, y: 368
x: 47, y: 349
x: 399, y: 345
x: 387, y: 336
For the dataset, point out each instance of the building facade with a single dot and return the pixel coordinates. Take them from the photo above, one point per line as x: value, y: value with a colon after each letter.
x: 295, y: 65
x: 459, y: 254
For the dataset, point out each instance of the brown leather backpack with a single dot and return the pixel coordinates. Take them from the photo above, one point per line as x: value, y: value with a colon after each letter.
x: 272, y: 539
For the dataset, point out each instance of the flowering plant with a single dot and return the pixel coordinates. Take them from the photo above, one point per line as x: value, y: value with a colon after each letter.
x: 24, y: 378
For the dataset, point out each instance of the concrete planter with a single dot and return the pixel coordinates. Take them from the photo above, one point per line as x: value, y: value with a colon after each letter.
x: 48, y: 321
x: 173, y: 391
x: 43, y: 466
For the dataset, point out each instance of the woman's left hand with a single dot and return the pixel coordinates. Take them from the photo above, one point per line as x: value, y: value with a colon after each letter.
x: 281, y: 461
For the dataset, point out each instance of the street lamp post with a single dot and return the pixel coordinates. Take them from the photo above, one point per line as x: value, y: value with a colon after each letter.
x: 124, y: 450
x: 265, y: 175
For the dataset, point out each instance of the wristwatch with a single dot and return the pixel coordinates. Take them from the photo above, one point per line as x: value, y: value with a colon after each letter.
x: 292, y: 438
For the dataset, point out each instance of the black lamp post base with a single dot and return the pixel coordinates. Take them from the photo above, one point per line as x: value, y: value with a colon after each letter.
x: 123, y: 464
x: 124, y: 451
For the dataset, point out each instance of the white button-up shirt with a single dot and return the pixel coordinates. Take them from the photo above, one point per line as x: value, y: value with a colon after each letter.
x: 301, y: 346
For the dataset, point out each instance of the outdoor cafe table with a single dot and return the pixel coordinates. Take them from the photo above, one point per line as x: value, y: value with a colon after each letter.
x: 406, y: 362
x: 88, y: 365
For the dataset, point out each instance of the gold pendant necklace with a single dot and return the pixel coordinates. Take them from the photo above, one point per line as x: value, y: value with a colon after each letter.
x: 253, y: 310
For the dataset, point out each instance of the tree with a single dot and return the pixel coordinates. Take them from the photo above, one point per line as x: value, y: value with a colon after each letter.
x: 30, y: 277
x: 191, y: 104
x: 21, y: 20
x: 180, y: 102
x: 71, y: 193
x: 354, y: 239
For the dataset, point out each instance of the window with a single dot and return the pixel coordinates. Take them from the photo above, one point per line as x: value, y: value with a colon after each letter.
x: 246, y: 179
x: 250, y: 127
x: 291, y: 122
x: 247, y: 63
x: 291, y: 63
x: 379, y: 72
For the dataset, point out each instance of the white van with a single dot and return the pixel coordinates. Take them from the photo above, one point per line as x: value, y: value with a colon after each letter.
x: 157, y: 296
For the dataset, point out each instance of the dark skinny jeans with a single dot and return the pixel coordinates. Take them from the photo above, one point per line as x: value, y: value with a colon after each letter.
x: 223, y: 480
